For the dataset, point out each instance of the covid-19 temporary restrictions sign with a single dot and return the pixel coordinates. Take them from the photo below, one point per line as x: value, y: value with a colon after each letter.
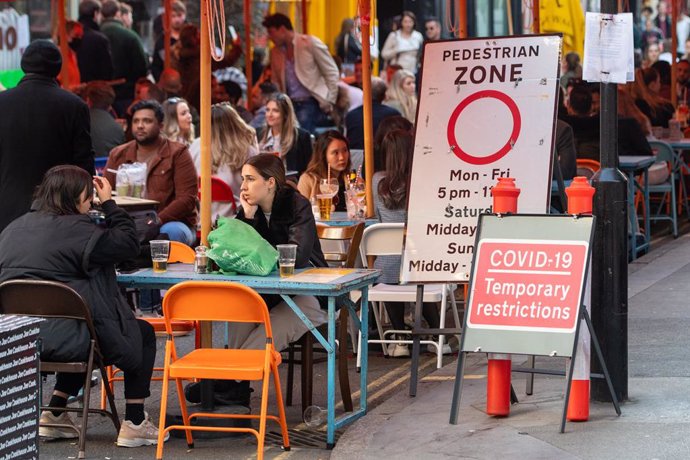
x: 527, y: 283
x: 486, y: 110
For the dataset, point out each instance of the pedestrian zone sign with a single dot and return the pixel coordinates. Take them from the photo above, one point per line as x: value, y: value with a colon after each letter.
x: 486, y: 110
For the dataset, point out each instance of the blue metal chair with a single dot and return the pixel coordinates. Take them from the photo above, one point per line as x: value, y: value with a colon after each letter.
x: 665, y: 154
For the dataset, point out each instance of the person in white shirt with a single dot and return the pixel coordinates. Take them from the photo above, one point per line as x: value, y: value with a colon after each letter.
x: 402, y: 46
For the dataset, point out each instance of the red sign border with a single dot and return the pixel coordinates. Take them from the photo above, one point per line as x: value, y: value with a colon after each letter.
x: 517, y: 126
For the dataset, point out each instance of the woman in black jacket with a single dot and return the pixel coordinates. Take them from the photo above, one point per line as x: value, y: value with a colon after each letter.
x: 58, y: 241
x: 283, y: 137
x: 281, y: 215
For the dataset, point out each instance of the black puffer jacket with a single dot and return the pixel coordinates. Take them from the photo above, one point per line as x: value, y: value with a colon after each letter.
x: 73, y: 250
x: 291, y: 222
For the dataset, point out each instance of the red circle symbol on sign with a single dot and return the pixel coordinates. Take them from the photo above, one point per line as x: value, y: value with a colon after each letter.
x: 500, y: 153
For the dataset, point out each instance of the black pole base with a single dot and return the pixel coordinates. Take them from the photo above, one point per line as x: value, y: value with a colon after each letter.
x: 610, y: 281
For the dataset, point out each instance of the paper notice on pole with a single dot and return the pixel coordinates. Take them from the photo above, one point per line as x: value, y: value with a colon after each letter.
x: 609, y: 51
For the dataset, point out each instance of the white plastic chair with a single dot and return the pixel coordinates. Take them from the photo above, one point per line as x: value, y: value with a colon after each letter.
x: 386, y: 239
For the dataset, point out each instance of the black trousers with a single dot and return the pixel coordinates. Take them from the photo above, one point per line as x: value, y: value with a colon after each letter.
x: 137, y: 382
x: 396, y: 313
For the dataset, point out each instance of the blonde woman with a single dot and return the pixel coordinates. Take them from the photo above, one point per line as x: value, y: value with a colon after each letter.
x: 282, y: 135
x: 401, y: 94
x: 177, y: 123
x: 233, y: 142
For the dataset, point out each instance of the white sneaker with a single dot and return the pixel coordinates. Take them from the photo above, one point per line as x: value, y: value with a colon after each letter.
x: 144, y: 434
x: 56, y: 432
x: 446, y: 350
x: 398, y: 350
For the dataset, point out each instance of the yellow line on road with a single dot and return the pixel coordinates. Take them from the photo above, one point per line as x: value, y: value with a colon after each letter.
x: 441, y: 378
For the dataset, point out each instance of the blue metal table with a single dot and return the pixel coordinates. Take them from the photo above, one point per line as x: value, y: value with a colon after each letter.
x: 340, y: 219
x: 632, y: 165
x: 356, y: 279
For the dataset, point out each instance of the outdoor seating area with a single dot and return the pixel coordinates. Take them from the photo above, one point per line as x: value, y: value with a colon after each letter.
x: 325, y: 229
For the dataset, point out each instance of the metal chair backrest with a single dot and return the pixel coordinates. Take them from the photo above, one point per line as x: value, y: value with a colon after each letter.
x: 221, y: 192
x: 351, y: 233
x: 587, y: 167
x: 214, y: 301
x: 382, y: 240
x: 44, y: 299
x: 663, y: 152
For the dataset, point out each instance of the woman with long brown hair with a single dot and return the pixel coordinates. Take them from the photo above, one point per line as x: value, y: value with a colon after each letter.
x: 282, y: 135
x: 331, y: 153
x: 646, y: 93
x: 177, y: 123
x: 281, y: 215
x: 391, y: 188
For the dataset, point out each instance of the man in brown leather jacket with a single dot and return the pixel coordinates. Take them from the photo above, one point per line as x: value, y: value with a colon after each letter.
x: 171, y: 176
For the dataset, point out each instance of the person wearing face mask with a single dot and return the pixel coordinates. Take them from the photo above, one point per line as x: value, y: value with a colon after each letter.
x: 331, y: 158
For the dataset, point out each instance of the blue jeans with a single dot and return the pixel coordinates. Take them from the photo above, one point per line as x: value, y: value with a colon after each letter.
x: 309, y: 114
x: 178, y: 231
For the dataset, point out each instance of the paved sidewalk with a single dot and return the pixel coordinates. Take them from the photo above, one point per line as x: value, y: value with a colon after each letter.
x: 654, y: 423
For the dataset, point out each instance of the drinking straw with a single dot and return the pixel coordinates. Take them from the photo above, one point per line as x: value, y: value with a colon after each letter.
x: 329, y: 175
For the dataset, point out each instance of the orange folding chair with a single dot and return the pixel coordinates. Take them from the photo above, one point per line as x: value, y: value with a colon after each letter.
x: 179, y: 253
x: 202, y: 300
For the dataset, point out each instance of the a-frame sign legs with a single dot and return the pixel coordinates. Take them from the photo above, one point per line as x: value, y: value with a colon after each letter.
x: 460, y: 372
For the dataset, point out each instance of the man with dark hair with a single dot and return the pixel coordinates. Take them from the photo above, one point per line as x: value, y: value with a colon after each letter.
x: 106, y: 133
x: 129, y: 59
x: 126, y: 15
x: 171, y: 175
x: 93, y: 55
x: 432, y: 29
x: 303, y: 68
x: 259, y: 97
x: 41, y: 126
x: 354, y: 120
x: 232, y: 92
x: 580, y: 101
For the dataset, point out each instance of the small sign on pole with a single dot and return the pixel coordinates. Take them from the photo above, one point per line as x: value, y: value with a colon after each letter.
x: 526, y: 291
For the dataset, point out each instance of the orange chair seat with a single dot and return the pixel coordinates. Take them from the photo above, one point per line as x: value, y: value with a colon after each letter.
x: 213, y: 363
x: 177, y: 325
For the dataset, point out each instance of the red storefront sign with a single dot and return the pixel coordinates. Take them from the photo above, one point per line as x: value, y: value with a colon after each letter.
x: 527, y: 285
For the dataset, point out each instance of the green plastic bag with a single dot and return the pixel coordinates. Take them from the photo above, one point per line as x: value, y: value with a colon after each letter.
x: 237, y: 247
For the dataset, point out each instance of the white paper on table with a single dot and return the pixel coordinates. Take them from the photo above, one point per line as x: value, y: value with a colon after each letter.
x: 609, y: 54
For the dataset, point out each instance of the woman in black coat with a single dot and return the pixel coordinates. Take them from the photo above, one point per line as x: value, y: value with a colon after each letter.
x: 281, y: 215
x: 58, y: 241
x: 283, y: 137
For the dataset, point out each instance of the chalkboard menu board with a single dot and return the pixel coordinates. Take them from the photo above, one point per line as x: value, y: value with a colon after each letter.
x: 19, y: 387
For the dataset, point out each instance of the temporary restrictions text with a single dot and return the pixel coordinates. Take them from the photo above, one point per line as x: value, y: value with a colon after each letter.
x: 525, y: 285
